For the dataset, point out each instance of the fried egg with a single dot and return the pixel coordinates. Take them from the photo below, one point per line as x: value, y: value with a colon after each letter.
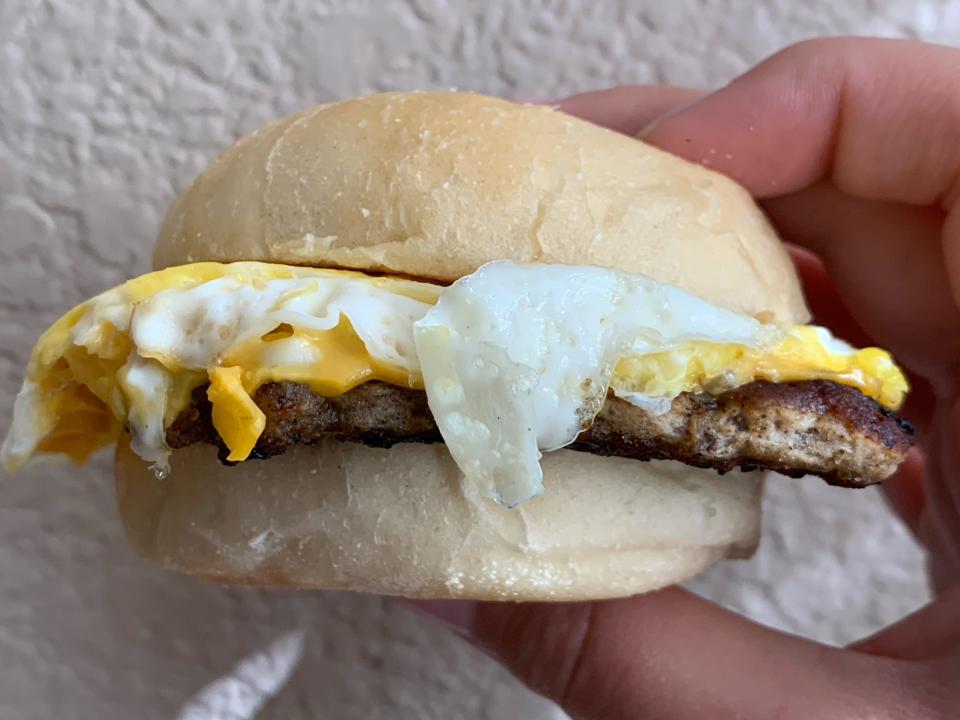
x: 132, y: 356
x: 515, y: 359
x: 518, y: 359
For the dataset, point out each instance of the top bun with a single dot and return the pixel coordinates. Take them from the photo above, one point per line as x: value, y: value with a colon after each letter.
x: 433, y: 185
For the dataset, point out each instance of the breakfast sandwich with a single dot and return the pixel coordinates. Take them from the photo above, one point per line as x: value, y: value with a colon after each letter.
x: 443, y: 345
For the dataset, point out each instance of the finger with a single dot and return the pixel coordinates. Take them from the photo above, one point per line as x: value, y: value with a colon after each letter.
x: 671, y: 654
x: 944, y: 496
x: 901, y: 294
x: 930, y: 632
x: 860, y: 262
x: 881, y: 118
x: 827, y: 307
x: 939, y: 524
x: 905, y: 491
x: 629, y: 108
x: 887, y: 263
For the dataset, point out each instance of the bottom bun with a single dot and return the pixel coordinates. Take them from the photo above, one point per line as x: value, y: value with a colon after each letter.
x: 403, y: 522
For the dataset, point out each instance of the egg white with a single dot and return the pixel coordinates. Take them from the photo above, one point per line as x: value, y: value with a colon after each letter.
x: 517, y: 359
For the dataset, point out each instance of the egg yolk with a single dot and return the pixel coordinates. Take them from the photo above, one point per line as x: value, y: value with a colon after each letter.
x: 703, y: 366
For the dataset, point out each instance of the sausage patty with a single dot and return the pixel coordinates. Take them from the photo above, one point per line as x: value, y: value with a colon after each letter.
x: 801, y: 428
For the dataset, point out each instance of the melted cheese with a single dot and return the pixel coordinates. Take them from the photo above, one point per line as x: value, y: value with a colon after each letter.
x: 236, y: 416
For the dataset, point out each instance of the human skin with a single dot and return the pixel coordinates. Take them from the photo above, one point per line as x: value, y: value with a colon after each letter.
x: 852, y: 146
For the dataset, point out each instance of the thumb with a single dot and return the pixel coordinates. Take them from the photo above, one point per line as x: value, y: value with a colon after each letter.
x: 671, y: 654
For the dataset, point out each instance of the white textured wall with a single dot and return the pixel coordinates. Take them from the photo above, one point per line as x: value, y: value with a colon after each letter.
x: 107, y: 107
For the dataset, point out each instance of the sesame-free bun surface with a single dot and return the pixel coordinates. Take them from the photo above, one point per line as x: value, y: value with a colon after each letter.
x: 402, y: 522
x: 433, y: 185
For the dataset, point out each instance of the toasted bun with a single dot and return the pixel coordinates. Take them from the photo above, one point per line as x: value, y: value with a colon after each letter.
x: 433, y: 185
x: 401, y: 522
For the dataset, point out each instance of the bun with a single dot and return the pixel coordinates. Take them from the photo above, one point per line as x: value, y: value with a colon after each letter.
x: 433, y: 185
x: 400, y: 522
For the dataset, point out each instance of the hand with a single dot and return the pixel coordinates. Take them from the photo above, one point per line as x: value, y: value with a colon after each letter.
x: 853, y: 148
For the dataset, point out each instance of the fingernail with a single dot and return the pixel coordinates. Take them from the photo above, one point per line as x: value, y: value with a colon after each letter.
x: 672, y: 112
x: 537, y: 101
x: 455, y: 614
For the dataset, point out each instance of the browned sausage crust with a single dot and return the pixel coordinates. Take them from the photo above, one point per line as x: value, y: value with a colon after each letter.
x: 812, y: 427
